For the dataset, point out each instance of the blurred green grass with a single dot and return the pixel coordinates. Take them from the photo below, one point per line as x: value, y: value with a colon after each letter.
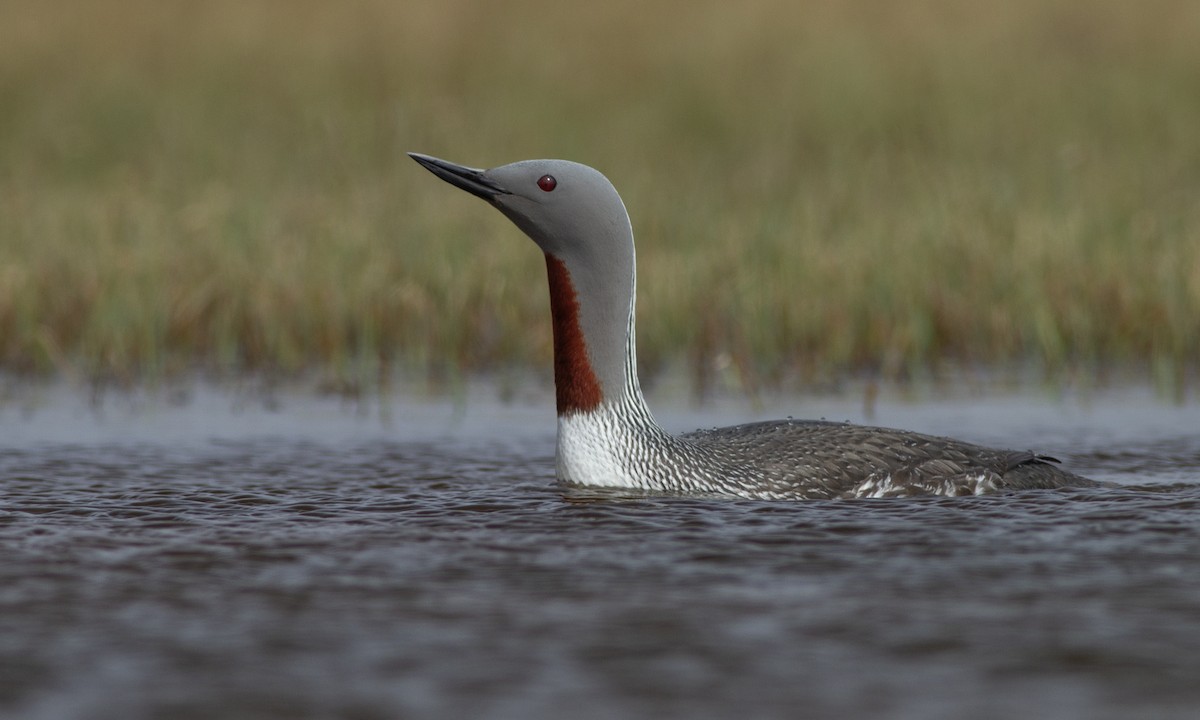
x: 817, y: 189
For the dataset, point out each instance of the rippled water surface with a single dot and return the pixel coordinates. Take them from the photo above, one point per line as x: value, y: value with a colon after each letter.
x: 311, y: 561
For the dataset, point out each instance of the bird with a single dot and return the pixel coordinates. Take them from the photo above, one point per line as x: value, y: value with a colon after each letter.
x: 606, y: 434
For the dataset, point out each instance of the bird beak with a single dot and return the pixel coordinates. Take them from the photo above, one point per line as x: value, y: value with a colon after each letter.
x: 470, y: 179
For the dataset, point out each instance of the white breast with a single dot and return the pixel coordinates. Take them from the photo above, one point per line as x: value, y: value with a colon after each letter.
x: 591, y: 450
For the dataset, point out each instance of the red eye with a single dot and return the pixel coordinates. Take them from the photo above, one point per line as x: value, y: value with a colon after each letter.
x: 547, y: 182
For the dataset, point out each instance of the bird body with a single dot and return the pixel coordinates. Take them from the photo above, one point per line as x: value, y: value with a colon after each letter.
x: 606, y: 434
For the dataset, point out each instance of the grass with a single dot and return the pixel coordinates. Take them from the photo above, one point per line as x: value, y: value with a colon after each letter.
x: 817, y: 189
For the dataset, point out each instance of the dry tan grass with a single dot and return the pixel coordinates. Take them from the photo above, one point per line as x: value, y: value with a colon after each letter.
x: 817, y: 188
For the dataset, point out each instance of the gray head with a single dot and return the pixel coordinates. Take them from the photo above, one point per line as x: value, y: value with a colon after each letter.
x: 577, y: 218
x: 565, y: 207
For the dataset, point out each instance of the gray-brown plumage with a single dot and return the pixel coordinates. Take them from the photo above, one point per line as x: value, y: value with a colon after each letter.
x: 818, y: 459
x: 606, y: 435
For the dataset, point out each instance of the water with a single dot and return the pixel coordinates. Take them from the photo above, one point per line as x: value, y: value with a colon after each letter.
x: 219, y: 558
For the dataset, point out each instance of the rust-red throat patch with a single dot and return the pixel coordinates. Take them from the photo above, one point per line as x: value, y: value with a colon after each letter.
x: 575, y: 385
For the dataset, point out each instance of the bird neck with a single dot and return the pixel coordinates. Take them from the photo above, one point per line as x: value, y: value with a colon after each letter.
x: 592, y: 310
x: 576, y: 387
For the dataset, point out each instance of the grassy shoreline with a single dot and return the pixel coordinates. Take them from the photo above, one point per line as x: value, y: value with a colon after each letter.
x: 835, y: 188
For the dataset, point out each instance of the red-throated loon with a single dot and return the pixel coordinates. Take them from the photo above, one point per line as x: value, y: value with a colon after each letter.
x: 606, y: 435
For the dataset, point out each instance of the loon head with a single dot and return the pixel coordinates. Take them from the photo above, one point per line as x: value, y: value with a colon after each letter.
x: 576, y: 217
x: 567, y: 208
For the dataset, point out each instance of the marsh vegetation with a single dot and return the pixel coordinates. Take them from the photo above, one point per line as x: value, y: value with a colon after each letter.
x: 816, y: 188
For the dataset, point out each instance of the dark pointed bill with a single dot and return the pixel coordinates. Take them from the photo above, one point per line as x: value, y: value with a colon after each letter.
x: 465, y: 178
